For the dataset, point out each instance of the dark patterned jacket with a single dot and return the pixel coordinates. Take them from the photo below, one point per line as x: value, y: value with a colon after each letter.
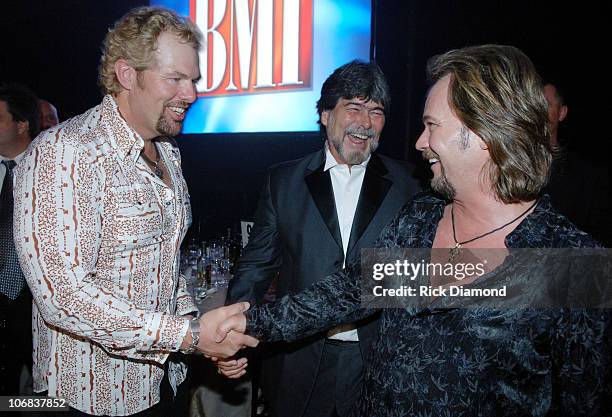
x: 463, y: 362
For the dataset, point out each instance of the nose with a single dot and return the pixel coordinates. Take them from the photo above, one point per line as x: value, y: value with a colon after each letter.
x: 188, y: 92
x: 364, y: 119
x: 423, y: 141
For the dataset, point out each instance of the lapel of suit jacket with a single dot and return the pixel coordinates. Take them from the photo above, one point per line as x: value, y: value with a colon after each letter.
x: 373, y: 191
x: 320, y: 187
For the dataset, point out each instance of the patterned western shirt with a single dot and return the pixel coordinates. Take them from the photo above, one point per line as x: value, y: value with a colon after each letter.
x: 98, y: 238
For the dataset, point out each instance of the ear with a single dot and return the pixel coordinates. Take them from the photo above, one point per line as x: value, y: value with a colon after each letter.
x: 126, y: 74
x: 324, y: 117
x: 563, y: 113
x: 22, y: 127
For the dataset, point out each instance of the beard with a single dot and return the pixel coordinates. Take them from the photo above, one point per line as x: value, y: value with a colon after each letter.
x: 356, y: 157
x: 165, y: 125
x: 441, y: 184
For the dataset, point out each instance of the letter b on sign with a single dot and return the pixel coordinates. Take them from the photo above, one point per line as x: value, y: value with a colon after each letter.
x: 254, y: 45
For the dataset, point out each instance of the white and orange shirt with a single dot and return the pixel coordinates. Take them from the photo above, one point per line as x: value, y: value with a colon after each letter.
x: 98, y: 237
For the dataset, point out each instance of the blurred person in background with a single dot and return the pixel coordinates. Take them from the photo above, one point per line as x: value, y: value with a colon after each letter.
x: 19, y: 120
x: 579, y: 187
x: 48, y: 114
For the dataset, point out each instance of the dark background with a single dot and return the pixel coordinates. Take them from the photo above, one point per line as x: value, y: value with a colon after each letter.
x: 54, y: 47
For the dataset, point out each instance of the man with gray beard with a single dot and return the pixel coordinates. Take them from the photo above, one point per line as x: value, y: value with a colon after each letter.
x: 314, y: 216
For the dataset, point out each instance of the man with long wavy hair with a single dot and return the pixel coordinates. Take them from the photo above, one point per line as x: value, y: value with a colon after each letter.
x: 486, y: 138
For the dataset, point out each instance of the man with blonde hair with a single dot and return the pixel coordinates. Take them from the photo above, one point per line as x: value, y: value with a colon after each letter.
x: 105, y: 209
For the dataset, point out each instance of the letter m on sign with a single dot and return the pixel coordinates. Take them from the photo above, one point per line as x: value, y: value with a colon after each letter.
x: 254, y: 46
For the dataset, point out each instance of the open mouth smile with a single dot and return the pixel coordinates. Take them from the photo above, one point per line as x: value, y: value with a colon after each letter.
x: 177, y: 110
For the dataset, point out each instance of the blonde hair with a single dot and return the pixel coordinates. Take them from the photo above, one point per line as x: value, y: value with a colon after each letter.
x: 134, y: 38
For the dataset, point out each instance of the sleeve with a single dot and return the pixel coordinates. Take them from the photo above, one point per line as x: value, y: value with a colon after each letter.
x: 58, y: 224
x: 261, y: 258
x: 330, y: 302
x: 185, y: 303
x: 582, y: 378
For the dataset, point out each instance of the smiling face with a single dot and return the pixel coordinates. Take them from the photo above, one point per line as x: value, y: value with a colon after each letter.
x: 353, y: 129
x: 456, y: 155
x: 161, y: 95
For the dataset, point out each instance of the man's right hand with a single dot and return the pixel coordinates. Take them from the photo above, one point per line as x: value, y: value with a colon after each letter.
x: 211, y: 344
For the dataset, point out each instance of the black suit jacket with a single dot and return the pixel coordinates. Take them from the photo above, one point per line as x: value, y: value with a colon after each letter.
x: 296, y: 235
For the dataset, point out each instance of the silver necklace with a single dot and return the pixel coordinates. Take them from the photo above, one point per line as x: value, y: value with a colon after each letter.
x: 154, y: 164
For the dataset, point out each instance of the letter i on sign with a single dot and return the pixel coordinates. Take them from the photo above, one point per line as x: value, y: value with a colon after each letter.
x: 254, y: 46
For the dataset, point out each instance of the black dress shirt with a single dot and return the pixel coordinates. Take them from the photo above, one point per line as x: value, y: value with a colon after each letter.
x: 463, y: 362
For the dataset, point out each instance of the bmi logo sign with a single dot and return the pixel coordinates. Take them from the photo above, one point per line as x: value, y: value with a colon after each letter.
x: 254, y: 45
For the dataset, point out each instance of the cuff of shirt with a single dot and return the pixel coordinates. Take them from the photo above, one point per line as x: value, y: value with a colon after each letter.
x: 185, y: 305
x: 164, y: 332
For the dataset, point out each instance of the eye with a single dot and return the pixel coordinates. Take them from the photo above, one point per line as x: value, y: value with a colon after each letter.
x: 429, y: 125
x: 377, y: 113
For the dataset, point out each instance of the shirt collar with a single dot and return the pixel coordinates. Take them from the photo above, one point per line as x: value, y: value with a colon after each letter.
x: 535, y: 228
x: 331, y: 162
x: 530, y: 232
x: 126, y: 139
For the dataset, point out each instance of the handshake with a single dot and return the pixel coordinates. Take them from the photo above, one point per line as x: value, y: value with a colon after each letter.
x: 221, y: 332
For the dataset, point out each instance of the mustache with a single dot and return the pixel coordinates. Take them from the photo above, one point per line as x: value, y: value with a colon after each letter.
x: 182, y: 104
x: 361, y: 131
x: 428, y: 154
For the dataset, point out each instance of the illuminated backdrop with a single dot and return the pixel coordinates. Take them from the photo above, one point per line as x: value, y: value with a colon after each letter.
x: 265, y: 60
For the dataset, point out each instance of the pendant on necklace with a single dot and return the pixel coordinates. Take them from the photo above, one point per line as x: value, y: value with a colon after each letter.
x: 158, y: 171
x: 454, y: 252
